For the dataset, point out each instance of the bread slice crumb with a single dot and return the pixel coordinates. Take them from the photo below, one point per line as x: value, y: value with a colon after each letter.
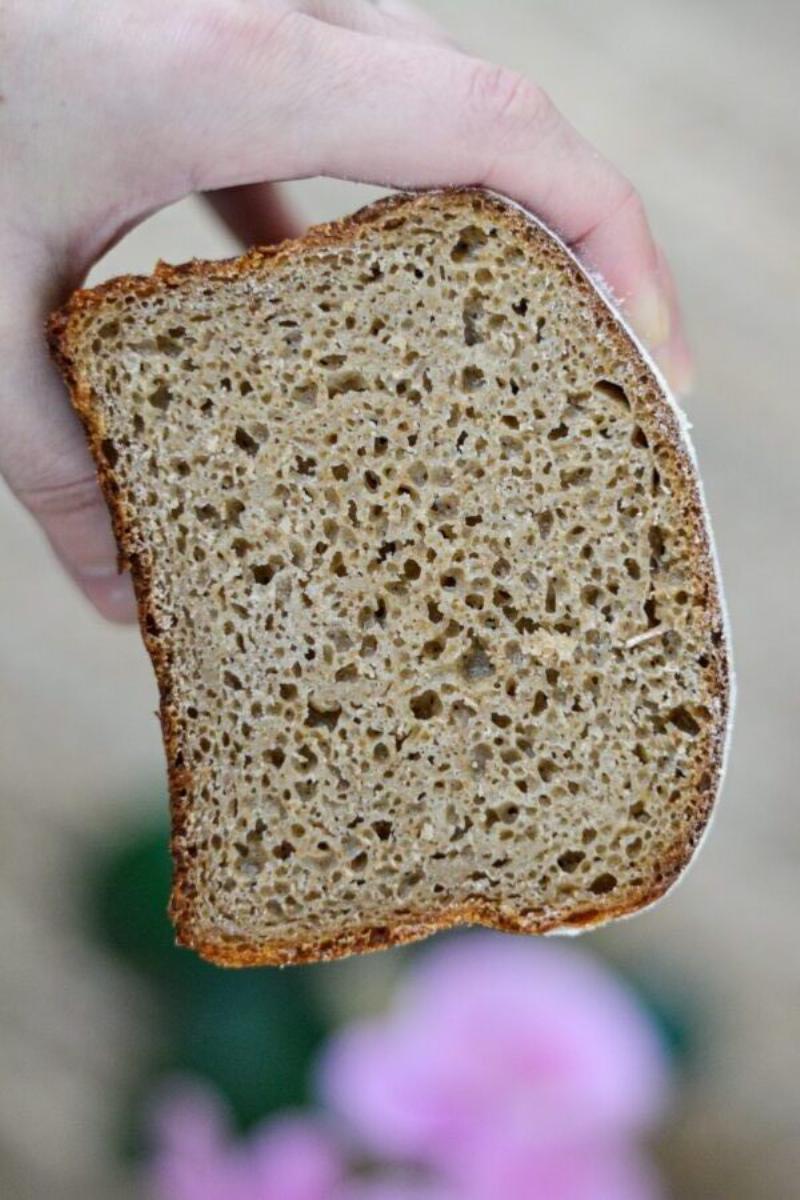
x: 399, y: 499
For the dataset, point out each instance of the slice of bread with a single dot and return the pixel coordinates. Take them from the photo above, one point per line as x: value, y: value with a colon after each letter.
x: 425, y: 574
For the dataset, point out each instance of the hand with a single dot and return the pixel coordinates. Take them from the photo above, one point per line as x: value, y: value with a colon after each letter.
x: 110, y: 111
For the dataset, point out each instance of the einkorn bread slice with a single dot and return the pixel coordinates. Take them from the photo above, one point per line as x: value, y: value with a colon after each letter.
x: 424, y: 571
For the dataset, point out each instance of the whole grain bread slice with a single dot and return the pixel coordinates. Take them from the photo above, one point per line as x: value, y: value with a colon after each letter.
x: 424, y: 571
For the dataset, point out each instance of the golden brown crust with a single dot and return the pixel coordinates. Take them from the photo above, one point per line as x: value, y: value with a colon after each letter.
x: 674, y: 455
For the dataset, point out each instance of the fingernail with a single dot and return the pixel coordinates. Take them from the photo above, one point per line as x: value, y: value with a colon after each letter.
x: 677, y: 370
x: 682, y: 378
x: 649, y: 315
x: 121, y: 599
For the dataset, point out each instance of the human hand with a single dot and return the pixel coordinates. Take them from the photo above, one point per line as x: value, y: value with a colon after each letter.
x: 109, y: 112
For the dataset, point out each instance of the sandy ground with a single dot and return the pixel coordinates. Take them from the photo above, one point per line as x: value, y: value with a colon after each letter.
x: 697, y: 100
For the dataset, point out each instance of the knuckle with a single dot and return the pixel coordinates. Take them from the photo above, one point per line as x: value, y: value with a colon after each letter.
x: 514, y: 105
x: 630, y: 201
x: 222, y: 23
x: 208, y: 35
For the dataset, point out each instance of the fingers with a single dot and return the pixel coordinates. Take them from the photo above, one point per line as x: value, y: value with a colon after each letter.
x: 44, y: 458
x: 256, y: 213
x: 674, y: 354
x: 378, y: 17
x: 642, y: 283
x: 387, y: 111
x: 75, y: 519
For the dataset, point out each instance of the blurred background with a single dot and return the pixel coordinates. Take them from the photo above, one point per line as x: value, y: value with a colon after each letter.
x: 697, y: 101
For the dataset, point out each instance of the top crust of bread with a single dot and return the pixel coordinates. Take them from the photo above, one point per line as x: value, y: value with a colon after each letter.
x: 66, y: 333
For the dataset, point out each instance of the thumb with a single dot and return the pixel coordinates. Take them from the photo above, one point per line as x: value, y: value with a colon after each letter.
x: 45, y: 460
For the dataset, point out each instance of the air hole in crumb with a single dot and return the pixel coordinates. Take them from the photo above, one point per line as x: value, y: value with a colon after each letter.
x: 337, y: 565
x: 305, y: 393
x: 368, y: 646
x: 161, y: 397
x: 472, y: 312
x: 233, y: 511
x: 612, y: 391
x: 471, y: 240
x: 206, y: 512
x: 265, y: 572
x: 435, y: 614
x: 305, y: 466
x: 348, y: 381
x: 245, y: 442
x: 328, y: 717
x: 570, y: 860
x: 655, y: 537
x: 603, y: 883
x: 433, y: 648
x: 110, y: 452
x: 426, y: 705
x: 476, y: 664
x: 547, y: 769
x: 472, y: 378
x: 682, y: 719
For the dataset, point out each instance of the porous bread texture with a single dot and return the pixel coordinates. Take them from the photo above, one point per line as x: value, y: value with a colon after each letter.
x: 424, y: 573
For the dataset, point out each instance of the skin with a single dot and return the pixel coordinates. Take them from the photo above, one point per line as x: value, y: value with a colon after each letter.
x: 110, y: 111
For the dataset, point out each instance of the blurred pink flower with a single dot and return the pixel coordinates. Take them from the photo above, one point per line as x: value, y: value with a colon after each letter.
x: 393, y: 1187
x: 566, y: 1172
x: 197, y: 1158
x: 506, y: 1068
x: 504, y: 1053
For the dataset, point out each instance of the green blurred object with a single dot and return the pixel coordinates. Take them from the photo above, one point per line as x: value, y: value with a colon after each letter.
x: 673, y: 1010
x: 251, y: 1033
